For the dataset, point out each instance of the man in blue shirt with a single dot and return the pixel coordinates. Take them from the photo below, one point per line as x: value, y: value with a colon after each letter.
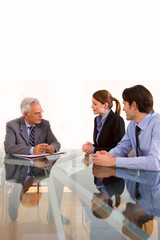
x: 138, y: 106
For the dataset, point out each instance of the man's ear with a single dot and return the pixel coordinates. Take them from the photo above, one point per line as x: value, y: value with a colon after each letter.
x: 25, y: 114
x: 134, y: 105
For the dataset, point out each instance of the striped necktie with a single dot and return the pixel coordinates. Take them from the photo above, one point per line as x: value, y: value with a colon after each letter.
x: 31, y: 137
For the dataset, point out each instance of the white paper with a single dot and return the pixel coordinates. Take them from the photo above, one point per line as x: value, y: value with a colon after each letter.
x: 36, y: 156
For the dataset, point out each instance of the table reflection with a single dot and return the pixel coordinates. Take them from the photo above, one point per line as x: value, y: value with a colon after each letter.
x: 71, y: 198
x: 144, y: 205
x: 109, y: 188
x: 24, y: 177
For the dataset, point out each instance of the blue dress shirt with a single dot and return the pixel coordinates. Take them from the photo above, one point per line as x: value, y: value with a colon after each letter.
x: 149, y: 145
x: 149, y: 187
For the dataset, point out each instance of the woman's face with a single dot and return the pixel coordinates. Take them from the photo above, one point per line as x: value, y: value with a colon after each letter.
x: 98, y: 107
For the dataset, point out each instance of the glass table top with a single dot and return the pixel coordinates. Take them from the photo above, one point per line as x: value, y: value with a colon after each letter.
x: 67, y: 197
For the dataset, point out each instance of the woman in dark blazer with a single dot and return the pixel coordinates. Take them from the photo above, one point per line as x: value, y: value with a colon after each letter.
x: 109, y: 127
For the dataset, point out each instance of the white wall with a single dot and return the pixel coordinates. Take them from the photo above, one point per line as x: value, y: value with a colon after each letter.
x: 64, y: 51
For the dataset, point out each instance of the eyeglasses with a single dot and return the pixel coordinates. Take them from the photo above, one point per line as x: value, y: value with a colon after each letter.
x: 38, y: 113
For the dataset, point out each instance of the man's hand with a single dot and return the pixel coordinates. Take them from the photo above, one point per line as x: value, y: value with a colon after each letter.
x: 103, y: 158
x: 42, y: 162
x: 43, y: 148
x: 50, y: 149
x: 103, y: 172
x: 87, y: 147
x: 86, y: 160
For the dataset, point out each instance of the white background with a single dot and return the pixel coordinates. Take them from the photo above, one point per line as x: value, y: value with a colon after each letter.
x: 63, y: 51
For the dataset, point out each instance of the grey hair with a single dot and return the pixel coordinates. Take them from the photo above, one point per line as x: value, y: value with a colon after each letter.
x: 25, y: 104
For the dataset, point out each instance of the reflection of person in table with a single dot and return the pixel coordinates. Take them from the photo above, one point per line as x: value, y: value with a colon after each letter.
x: 144, y: 190
x: 103, y: 203
x: 23, y: 177
x: 109, y: 188
x: 108, y: 126
x: 19, y: 131
x: 135, y: 218
x: 140, y: 213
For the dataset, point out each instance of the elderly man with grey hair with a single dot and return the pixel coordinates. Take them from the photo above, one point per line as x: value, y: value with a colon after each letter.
x: 30, y: 134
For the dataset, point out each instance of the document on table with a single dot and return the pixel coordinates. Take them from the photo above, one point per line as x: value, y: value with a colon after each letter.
x: 36, y: 155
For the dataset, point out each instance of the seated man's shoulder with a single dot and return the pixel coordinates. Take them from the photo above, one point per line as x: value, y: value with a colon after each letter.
x: 155, y: 120
x: 44, y: 121
x: 14, y: 121
x: 156, y: 117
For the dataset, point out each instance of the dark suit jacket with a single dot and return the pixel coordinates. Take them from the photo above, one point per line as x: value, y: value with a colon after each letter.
x: 17, y: 173
x: 112, y: 185
x: 16, y: 139
x: 112, y: 132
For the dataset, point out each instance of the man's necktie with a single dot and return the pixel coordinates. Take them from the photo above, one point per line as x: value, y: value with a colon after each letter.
x: 137, y: 193
x: 32, y: 171
x: 31, y: 137
x: 137, y: 131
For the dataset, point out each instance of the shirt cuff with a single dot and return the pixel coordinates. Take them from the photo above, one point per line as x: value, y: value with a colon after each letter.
x: 31, y: 151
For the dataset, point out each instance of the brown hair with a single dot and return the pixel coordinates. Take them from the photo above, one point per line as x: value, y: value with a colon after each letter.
x: 104, y: 96
x: 141, y: 96
x: 104, y: 210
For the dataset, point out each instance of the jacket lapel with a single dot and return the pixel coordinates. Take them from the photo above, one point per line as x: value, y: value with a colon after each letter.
x: 23, y: 130
x: 106, y: 123
x: 38, y: 132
